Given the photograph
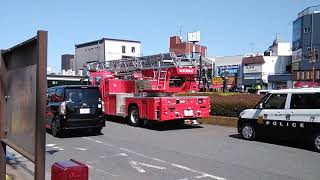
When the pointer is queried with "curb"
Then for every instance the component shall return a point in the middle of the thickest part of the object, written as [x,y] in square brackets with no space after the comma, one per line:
[221,120]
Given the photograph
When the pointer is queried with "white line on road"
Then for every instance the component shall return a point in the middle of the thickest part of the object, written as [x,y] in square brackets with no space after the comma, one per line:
[135,165]
[82,149]
[122,154]
[195,171]
[152,166]
[50,145]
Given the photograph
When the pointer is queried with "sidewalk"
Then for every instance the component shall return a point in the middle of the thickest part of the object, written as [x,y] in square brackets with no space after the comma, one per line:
[18,167]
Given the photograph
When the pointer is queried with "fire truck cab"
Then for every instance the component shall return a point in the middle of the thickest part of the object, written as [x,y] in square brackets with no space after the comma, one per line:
[143,89]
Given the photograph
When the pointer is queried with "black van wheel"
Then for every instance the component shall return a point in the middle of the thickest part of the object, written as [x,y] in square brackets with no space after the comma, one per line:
[96,131]
[248,132]
[134,119]
[316,142]
[55,128]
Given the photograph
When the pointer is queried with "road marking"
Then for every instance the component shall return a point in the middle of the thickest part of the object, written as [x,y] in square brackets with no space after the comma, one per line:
[152,166]
[98,142]
[56,147]
[82,149]
[199,172]
[122,154]
[135,165]
[50,145]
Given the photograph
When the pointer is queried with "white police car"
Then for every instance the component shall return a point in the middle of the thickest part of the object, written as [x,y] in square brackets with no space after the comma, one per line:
[288,111]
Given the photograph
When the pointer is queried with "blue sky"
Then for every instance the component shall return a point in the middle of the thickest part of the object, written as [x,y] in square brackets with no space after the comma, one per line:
[228,27]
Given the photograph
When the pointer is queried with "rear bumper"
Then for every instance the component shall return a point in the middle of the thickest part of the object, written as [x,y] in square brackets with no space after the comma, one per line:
[83,123]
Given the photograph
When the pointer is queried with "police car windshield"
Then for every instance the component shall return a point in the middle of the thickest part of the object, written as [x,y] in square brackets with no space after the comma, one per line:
[262,100]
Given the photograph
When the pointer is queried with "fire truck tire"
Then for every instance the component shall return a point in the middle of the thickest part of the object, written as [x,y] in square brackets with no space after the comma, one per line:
[55,128]
[134,119]
[248,132]
[316,142]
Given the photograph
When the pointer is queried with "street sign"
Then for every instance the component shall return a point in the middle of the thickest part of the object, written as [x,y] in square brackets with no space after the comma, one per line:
[25,99]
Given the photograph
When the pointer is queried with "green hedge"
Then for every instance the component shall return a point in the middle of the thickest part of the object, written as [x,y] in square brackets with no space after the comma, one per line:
[228,104]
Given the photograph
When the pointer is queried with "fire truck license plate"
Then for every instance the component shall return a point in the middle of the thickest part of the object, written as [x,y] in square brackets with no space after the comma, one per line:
[84,111]
[188,112]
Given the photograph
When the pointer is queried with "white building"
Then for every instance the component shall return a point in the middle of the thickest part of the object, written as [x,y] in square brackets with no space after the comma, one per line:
[229,64]
[271,70]
[105,49]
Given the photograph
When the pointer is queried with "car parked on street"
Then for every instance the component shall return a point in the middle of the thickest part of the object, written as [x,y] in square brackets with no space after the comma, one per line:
[74,107]
[293,112]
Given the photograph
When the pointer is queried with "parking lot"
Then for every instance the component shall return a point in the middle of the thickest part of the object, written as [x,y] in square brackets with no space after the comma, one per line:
[182,153]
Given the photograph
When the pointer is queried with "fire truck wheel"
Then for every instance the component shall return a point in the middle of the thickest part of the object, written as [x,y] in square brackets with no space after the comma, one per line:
[316,142]
[134,118]
[248,132]
[55,128]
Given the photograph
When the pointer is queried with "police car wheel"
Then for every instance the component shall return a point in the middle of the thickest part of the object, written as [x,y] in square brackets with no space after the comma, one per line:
[248,132]
[316,142]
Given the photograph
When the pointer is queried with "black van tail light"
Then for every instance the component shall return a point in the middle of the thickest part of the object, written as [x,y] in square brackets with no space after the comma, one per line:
[63,108]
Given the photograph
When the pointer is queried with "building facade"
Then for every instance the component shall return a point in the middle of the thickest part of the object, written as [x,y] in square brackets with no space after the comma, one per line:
[306,45]
[105,49]
[68,64]
[180,47]
[229,67]
[270,70]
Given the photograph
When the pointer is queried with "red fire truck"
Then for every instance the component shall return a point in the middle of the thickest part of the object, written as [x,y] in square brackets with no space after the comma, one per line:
[143,89]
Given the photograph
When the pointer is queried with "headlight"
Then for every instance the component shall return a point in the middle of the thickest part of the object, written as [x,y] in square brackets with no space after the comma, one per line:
[242,113]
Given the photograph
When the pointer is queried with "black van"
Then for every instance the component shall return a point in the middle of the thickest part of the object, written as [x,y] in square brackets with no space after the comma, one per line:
[74,107]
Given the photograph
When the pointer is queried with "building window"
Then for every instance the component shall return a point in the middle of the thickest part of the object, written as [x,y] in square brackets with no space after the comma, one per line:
[307,75]
[298,75]
[317,74]
[307,30]
[123,49]
[312,75]
[309,49]
[302,75]
[133,49]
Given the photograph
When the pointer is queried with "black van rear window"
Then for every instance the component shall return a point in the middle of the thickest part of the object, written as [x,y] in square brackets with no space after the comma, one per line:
[78,95]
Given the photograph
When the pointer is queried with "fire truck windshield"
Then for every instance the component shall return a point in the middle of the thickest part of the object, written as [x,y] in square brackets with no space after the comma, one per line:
[177,81]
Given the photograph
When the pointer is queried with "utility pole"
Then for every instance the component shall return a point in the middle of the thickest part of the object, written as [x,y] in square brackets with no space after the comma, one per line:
[313,60]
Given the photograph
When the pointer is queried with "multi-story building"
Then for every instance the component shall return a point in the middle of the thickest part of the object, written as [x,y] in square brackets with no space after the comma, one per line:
[178,46]
[306,45]
[229,67]
[105,49]
[68,64]
[271,70]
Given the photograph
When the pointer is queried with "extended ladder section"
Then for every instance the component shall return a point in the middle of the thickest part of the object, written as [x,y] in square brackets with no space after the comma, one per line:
[159,61]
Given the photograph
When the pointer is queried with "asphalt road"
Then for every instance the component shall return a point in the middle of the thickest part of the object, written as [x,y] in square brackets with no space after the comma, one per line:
[210,152]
